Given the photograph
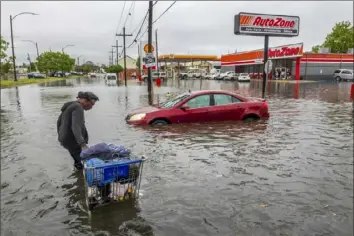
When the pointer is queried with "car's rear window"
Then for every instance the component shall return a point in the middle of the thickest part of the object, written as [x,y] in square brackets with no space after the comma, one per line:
[243,74]
[337,71]
[111,77]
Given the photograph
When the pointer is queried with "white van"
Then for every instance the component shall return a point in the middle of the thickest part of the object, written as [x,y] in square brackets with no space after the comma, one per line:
[110,78]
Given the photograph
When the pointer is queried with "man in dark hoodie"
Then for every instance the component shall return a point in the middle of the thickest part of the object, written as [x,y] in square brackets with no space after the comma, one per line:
[72,132]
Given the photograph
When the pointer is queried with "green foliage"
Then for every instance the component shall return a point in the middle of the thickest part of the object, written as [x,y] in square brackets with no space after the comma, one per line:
[114,69]
[316,48]
[32,66]
[6,66]
[55,61]
[340,39]
[86,68]
[3,47]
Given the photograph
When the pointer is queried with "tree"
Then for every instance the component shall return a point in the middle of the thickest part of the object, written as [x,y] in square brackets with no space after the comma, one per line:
[114,69]
[3,47]
[4,61]
[55,61]
[340,39]
[316,48]
[32,66]
[86,68]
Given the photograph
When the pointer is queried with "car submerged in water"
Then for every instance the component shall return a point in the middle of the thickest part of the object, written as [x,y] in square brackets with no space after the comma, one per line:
[201,106]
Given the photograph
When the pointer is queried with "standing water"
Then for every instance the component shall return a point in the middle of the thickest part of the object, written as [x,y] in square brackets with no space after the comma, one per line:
[289,175]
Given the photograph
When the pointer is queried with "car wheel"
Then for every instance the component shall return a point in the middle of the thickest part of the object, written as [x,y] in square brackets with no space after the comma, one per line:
[159,122]
[338,79]
[251,118]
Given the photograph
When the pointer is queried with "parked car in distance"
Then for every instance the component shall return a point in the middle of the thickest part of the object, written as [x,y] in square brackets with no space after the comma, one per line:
[35,75]
[244,77]
[214,75]
[230,75]
[155,75]
[200,106]
[343,75]
[110,78]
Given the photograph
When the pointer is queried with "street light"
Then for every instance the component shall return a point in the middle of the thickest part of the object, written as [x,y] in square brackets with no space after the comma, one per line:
[78,59]
[35,43]
[12,39]
[70,45]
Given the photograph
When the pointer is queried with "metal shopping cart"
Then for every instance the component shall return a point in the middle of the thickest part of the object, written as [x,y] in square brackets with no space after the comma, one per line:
[115,180]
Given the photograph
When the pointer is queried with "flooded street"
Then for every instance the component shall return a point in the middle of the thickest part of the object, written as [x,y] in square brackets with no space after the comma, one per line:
[290,175]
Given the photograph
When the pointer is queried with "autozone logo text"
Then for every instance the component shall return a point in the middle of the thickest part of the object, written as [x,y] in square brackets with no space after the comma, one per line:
[284,52]
[277,22]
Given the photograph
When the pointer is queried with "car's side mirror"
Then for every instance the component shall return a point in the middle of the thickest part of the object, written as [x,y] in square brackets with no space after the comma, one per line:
[184,107]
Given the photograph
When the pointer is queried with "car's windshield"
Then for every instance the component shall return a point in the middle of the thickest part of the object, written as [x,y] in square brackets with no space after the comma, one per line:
[244,74]
[111,77]
[174,101]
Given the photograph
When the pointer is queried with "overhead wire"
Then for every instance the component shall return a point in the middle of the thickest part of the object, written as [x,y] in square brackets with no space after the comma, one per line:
[129,13]
[154,22]
[141,25]
[120,19]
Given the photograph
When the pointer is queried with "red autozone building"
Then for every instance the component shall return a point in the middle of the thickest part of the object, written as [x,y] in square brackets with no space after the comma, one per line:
[310,66]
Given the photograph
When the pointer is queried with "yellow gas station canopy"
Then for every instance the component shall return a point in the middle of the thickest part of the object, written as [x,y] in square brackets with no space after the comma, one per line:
[187,58]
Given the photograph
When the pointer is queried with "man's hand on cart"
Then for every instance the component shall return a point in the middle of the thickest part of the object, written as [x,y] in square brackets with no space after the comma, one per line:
[84,147]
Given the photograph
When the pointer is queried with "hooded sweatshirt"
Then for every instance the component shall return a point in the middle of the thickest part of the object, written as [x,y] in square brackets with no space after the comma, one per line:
[71,125]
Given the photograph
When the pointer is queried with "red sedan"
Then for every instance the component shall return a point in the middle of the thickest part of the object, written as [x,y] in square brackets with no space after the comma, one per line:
[200,106]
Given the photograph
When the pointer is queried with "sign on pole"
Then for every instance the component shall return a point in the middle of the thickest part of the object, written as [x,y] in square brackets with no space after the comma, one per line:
[149,60]
[264,24]
[146,48]
[268,66]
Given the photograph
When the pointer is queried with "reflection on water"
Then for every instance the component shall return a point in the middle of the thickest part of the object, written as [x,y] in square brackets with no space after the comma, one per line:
[289,175]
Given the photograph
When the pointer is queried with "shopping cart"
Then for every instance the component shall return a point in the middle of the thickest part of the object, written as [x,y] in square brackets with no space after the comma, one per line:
[108,181]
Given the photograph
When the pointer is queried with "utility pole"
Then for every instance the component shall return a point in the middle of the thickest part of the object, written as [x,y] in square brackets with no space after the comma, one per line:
[157,54]
[117,51]
[29,59]
[139,56]
[13,50]
[125,56]
[149,50]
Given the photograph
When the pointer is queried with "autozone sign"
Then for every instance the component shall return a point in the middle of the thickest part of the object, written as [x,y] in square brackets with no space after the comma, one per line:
[262,24]
[294,50]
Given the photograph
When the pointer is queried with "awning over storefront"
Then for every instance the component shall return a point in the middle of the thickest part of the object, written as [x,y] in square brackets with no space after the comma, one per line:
[256,57]
[187,58]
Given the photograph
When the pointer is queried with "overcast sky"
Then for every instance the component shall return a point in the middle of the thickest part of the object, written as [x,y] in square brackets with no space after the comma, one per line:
[188,27]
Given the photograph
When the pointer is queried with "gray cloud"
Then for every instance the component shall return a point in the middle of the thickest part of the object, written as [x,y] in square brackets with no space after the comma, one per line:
[194,27]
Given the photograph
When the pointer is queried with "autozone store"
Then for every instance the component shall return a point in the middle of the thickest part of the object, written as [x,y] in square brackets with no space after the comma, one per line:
[310,66]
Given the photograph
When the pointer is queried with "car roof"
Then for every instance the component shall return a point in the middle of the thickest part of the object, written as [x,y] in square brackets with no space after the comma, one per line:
[201,92]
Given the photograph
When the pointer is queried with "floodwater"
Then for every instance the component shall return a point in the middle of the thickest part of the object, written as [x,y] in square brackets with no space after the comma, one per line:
[290,175]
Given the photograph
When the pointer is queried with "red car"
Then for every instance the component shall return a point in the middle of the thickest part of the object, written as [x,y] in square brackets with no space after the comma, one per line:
[200,106]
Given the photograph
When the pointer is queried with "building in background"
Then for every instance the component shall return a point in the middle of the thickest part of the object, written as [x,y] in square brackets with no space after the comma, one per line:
[131,66]
[310,66]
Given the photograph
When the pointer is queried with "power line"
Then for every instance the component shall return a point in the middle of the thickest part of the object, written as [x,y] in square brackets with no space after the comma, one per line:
[129,13]
[142,24]
[131,18]
[120,19]
[135,40]
[121,15]
[164,12]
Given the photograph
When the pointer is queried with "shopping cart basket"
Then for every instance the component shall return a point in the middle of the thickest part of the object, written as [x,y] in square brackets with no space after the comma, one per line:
[114,180]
